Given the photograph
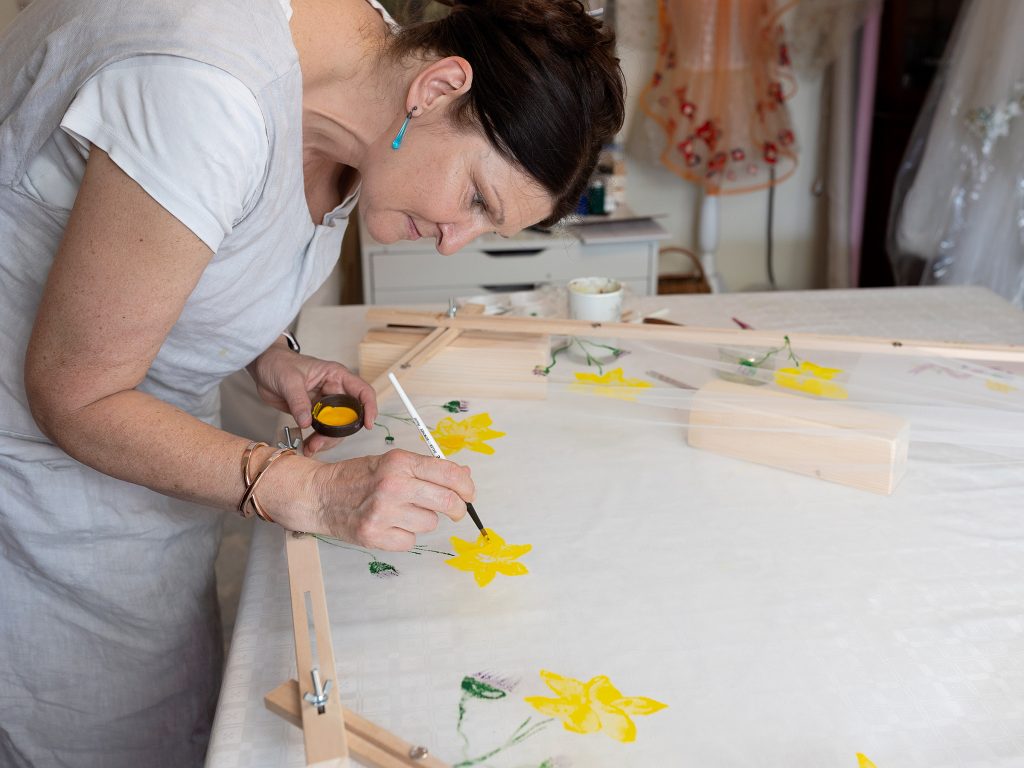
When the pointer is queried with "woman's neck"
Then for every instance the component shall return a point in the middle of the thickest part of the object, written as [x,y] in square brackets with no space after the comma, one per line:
[350,91]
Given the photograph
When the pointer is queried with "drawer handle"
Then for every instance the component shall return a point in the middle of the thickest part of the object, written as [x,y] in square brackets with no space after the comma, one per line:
[515,252]
[510,287]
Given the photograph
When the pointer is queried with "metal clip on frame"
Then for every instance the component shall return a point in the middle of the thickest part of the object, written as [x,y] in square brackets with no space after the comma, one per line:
[319,695]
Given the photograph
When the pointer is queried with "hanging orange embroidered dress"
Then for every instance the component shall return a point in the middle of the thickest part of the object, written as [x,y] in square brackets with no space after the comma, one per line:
[719,93]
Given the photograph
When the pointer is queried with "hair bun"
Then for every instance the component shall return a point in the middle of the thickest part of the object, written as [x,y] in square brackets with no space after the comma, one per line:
[567,22]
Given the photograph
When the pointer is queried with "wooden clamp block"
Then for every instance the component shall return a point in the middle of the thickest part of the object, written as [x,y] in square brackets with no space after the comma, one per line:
[839,443]
[476,364]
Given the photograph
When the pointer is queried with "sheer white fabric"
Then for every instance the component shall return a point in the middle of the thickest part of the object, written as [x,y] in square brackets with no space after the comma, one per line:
[958,215]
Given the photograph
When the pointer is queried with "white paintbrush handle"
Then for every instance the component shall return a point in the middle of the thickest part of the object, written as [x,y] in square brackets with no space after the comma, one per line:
[411,409]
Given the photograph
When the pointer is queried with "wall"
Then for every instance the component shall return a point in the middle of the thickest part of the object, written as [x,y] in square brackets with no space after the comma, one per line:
[799,263]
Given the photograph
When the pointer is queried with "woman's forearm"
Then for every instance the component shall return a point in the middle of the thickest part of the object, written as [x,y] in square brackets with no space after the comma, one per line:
[138,438]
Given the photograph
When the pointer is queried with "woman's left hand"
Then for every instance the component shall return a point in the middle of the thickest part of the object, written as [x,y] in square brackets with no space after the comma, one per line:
[292,382]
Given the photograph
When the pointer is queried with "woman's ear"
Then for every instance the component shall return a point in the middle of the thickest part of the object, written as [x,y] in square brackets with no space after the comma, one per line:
[439,84]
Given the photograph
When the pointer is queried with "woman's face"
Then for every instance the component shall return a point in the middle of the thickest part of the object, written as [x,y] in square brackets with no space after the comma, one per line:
[446,183]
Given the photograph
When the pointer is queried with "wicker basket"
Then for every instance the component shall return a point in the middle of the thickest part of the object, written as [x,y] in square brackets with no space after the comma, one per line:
[688,282]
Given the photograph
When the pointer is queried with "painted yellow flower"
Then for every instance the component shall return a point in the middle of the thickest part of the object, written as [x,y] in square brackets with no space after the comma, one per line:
[595,705]
[812,379]
[612,383]
[471,433]
[488,556]
[863,762]
[999,386]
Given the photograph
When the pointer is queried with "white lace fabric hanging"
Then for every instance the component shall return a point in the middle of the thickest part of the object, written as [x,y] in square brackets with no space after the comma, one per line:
[958,208]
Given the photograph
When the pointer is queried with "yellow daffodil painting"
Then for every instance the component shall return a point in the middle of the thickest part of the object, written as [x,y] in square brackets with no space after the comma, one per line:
[612,383]
[999,386]
[488,556]
[863,762]
[812,379]
[472,432]
[595,705]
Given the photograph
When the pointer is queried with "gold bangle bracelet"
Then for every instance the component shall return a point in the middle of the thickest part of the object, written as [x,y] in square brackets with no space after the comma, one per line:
[246,477]
[251,487]
[261,513]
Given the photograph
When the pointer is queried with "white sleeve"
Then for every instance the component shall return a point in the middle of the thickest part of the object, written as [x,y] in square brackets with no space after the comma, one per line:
[189,133]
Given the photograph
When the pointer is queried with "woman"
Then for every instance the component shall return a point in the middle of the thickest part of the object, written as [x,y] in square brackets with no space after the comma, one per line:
[174,182]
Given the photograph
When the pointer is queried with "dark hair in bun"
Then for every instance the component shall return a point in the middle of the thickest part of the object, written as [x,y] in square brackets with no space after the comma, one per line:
[547,88]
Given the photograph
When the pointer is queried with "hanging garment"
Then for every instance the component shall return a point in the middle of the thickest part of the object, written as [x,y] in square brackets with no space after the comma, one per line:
[958,206]
[719,92]
[110,652]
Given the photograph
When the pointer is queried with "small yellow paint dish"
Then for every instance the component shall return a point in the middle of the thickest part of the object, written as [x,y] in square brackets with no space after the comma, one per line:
[337,415]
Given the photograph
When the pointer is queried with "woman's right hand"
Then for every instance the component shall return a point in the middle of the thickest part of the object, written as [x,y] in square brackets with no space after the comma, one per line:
[384,501]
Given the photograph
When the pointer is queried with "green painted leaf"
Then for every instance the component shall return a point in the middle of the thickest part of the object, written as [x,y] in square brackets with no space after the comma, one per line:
[380,568]
[478,689]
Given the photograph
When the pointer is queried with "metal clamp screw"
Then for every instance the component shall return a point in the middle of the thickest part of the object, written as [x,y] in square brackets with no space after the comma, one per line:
[418,753]
[289,441]
[318,696]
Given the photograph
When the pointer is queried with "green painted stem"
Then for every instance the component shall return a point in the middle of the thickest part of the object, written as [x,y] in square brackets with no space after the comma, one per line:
[518,736]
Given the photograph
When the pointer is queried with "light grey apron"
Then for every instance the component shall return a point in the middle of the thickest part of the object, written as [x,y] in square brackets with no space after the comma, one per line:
[110,650]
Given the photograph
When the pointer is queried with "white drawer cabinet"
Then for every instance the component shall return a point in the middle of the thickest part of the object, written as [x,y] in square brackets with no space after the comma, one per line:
[414,273]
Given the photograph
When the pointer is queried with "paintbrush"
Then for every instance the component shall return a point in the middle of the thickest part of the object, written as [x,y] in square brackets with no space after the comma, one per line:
[431,442]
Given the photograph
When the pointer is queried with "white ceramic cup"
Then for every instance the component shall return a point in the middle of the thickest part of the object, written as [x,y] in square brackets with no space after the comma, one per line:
[595,298]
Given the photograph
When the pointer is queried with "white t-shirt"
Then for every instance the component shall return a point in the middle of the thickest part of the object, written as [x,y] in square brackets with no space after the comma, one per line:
[191,135]
[144,112]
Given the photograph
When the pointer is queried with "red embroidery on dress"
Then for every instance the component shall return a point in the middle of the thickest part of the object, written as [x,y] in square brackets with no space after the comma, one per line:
[716,164]
[709,134]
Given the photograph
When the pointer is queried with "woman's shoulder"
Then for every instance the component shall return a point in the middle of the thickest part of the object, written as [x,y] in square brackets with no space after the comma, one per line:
[191,134]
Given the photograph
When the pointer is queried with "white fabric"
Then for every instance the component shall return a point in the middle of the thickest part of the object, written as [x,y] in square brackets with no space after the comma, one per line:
[138,111]
[142,112]
[963,212]
[785,621]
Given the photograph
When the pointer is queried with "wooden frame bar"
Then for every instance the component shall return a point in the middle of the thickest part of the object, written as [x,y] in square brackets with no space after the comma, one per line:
[323,733]
[697,335]
[426,349]
[332,734]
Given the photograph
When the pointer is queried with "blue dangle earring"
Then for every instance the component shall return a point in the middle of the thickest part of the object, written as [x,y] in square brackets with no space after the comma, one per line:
[401,131]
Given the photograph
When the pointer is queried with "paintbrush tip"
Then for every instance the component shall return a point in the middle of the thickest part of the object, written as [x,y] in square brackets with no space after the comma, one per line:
[476,519]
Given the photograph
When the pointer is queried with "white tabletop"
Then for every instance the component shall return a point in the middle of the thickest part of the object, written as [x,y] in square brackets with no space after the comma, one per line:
[785,621]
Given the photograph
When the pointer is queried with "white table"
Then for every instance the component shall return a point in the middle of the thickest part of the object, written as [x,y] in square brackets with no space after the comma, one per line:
[784,620]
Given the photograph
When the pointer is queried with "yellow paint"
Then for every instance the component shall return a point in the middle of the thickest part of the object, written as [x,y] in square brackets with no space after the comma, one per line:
[863,762]
[472,432]
[595,705]
[812,379]
[612,383]
[336,415]
[999,386]
[488,556]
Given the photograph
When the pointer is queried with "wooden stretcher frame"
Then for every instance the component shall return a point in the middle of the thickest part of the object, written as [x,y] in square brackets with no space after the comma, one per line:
[337,732]
[331,736]
[425,350]
[463,321]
